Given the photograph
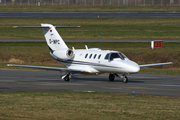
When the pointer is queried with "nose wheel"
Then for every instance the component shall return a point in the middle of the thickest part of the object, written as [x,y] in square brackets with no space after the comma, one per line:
[125,79]
[112,77]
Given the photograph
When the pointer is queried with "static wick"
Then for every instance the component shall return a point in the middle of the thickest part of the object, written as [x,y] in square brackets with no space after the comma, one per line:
[133,94]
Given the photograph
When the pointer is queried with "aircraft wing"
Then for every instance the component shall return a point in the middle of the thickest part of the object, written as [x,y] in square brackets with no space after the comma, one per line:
[156,64]
[46,68]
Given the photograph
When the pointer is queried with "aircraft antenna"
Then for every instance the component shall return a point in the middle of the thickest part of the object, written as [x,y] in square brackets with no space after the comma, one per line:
[86,47]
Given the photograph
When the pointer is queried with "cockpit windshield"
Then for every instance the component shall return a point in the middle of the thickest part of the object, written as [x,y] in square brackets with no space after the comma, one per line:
[117,55]
[122,55]
[111,56]
[114,56]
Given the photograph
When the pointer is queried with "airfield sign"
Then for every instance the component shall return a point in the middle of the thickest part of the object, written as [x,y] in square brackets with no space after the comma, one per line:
[157,43]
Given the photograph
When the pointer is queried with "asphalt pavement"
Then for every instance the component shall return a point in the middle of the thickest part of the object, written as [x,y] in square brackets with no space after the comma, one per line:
[89,14]
[149,84]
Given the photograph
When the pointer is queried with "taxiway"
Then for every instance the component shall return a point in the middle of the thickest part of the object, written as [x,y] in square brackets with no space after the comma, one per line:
[24,80]
[89,14]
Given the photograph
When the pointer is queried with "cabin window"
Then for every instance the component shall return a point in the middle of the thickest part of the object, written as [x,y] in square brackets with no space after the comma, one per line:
[99,56]
[86,55]
[90,56]
[107,56]
[95,56]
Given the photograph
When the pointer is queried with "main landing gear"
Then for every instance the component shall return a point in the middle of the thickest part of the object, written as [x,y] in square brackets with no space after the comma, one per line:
[112,77]
[67,76]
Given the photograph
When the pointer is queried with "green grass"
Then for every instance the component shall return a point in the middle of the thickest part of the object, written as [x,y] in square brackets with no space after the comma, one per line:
[89,106]
[86,8]
[34,53]
[92,28]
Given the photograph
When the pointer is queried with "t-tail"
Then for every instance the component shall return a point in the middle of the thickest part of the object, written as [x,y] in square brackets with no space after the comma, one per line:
[53,39]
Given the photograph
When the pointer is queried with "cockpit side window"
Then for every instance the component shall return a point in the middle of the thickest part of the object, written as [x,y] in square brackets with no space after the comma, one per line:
[106,57]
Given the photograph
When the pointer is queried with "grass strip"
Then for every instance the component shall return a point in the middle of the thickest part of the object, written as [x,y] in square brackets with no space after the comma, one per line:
[35,53]
[56,8]
[83,105]
[92,28]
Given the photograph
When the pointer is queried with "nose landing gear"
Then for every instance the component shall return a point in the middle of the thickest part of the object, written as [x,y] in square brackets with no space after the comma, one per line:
[112,77]
[124,77]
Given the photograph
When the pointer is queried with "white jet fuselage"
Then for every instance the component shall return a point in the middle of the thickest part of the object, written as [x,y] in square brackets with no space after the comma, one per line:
[96,61]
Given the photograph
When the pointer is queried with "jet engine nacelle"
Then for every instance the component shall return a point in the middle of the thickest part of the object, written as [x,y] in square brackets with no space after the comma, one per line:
[64,54]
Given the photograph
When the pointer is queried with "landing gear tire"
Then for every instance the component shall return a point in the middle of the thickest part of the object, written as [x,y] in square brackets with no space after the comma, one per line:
[111,77]
[125,79]
[66,78]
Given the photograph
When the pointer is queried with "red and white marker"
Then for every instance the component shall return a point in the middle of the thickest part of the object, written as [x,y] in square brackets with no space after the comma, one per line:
[157,43]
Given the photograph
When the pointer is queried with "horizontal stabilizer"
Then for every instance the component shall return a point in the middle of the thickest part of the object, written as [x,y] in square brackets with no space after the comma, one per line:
[46,26]
[157,64]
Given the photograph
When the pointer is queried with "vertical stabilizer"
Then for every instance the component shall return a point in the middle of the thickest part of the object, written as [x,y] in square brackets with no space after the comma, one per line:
[53,39]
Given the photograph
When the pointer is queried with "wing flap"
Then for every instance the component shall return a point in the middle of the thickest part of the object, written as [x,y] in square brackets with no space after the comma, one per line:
[46,68]
[156,64]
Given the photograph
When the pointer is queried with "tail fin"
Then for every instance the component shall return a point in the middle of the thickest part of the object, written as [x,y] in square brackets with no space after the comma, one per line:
[53,38]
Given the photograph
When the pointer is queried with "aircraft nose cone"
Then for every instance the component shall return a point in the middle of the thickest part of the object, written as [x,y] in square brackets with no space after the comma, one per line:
[134,68]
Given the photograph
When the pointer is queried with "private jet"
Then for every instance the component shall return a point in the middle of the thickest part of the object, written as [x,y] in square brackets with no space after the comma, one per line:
[93,61]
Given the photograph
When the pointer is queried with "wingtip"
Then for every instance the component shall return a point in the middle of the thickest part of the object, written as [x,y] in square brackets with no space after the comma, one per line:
[15,26]
[9,65]
[170,62]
